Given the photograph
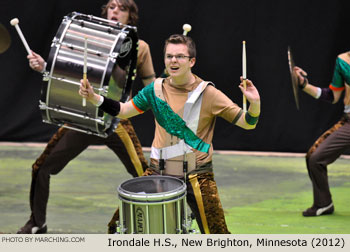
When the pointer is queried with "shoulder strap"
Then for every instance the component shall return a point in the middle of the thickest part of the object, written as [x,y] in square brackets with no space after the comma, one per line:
[195,94]
[158,84]
[193,106]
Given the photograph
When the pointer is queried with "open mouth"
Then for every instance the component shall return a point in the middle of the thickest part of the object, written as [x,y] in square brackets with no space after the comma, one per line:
[114,19]
[174,68]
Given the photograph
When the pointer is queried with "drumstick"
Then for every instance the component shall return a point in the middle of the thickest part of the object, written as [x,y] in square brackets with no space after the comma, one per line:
[85,68]
[14,22]
[244,75]
[187,28]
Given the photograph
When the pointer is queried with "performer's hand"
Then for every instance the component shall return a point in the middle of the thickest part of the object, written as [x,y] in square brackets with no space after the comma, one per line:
[250,92]
[36,62]
[301,75]
[87,92]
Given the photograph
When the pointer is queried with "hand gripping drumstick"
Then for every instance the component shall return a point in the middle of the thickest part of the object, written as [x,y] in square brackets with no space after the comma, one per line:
[85,69]
[244,75]
[14,22]
[187,28]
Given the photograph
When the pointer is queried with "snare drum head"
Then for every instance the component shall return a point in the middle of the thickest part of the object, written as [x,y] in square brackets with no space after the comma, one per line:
[152,184]
[152,188]
[152,205]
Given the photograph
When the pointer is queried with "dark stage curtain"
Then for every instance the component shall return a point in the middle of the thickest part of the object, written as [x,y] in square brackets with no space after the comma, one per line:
[315,30]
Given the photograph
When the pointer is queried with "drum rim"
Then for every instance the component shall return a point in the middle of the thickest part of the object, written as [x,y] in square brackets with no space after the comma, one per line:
[168,199]
[163,197]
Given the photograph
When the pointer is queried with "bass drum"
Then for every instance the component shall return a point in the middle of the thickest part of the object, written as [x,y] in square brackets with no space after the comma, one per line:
[111,49]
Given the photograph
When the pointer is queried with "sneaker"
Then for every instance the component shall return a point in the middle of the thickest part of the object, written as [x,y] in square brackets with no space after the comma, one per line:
[112,228]
[31,228]
[317,211]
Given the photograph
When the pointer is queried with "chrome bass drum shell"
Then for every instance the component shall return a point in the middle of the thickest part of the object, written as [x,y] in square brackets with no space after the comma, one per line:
[111,49]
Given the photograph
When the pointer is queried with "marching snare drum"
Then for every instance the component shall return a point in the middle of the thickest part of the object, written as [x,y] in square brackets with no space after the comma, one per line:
[152,205]
[111,47]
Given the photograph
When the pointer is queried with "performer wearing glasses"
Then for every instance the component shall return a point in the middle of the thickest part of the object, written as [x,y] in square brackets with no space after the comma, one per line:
[335,141]
[66,144]
[185,108]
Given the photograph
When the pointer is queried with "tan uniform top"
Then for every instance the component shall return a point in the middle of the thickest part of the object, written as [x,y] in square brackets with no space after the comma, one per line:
[214,103]
[144,64]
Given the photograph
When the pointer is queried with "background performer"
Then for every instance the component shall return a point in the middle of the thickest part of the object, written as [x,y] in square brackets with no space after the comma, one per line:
[66,144]
[335,141]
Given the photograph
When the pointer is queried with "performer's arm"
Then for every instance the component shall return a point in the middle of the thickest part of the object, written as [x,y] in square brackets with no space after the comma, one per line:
[324,94]
[249,119]
[112,107]
[144,64]
[148,79]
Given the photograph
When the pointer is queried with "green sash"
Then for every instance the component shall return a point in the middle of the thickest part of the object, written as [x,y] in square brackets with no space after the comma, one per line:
[167,118]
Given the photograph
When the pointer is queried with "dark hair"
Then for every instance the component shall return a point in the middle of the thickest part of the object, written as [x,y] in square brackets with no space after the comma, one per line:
[182,39]
[130,5]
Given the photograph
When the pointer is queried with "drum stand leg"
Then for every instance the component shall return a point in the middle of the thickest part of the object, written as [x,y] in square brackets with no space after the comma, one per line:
[191,230]
[186,224]
[185,169]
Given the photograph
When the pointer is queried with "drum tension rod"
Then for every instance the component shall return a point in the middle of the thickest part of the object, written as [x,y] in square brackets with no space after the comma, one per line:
[185,166]
[161,162]
[185,170]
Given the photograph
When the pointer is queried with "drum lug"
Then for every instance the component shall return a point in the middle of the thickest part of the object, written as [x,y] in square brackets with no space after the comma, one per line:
[193,231]
[188,230]
[186,226]
[46,76]
[48,122]
[55,42]
[120,230]
[42,105]
[114,56]
[104,90]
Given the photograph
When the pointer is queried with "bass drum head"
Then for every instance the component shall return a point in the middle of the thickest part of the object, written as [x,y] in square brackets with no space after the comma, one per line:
[127,58]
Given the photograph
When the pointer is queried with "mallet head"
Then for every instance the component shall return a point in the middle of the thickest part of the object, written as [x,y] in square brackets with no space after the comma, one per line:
[14,21]
[186,28]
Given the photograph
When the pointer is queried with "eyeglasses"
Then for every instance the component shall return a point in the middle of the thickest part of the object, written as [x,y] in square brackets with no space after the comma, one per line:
[177,57]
